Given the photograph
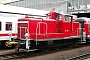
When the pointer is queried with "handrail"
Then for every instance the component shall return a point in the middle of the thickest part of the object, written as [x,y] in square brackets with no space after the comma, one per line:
[39,29]
[78,30]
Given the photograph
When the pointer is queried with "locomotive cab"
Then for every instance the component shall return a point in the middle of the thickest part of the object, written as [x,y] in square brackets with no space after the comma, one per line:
[53,15]
[58,16]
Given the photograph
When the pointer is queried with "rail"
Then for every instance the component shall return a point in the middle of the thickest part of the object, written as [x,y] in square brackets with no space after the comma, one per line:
[81,57]
[13,55]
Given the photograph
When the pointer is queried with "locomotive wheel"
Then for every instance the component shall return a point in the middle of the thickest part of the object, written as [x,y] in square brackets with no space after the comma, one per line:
[44,49]
[57,48]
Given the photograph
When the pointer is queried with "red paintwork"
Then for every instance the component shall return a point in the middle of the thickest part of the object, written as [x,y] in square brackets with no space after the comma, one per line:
[5,34]
[49,28]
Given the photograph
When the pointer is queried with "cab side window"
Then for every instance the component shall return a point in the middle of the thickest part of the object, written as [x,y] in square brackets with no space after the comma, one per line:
[59,17]
[8,26]
[67,18]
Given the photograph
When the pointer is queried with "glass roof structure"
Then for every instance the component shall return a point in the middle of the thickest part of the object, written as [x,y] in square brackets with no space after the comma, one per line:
[36,4]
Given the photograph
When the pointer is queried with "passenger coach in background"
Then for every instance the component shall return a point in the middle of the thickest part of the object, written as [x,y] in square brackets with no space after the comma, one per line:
[53,31]
[8,29]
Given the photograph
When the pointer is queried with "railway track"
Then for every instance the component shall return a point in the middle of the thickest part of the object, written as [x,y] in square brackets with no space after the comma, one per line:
[20,55]
[81,57]
[23,54]
[13,55]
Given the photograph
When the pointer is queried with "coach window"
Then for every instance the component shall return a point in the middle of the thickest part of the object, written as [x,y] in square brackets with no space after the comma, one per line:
[8,26]
[0,25]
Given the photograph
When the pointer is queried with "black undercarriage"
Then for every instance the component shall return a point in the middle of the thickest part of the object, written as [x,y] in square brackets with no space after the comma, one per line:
[49,43]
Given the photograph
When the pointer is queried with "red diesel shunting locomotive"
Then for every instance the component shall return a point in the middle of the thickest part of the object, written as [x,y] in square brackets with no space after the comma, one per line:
[54,30]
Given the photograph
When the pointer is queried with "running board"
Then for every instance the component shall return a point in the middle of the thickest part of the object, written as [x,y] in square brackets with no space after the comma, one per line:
[82,42]
[30,50]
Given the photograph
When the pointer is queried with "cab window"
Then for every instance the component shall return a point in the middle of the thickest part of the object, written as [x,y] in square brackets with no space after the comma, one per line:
[67,18]
[59,17]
